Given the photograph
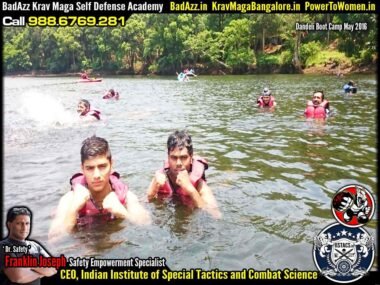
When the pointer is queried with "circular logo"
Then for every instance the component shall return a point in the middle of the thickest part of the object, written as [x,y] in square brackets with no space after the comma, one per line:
[343,254]
[353,206]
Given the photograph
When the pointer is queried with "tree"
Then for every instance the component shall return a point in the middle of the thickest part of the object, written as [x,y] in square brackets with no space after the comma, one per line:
[235,42]
[68,44]
[15,55]
[294,38]
[132,41]
[365,38]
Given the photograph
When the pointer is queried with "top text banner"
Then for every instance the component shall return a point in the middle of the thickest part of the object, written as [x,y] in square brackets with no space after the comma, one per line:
[123,8]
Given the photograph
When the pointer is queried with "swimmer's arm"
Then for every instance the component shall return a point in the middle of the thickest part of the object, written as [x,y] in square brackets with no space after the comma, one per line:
[132,211]
[152,190]
[66,216]
[158,181]
[183,180]
[112,204]
[21,275]
[195,196]
[273,106]
[211,206]
[138,214]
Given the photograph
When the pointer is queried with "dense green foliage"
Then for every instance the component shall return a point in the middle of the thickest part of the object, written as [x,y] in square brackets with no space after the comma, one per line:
[164,44]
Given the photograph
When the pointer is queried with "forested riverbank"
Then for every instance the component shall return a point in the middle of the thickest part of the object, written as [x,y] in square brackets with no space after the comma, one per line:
[209,43]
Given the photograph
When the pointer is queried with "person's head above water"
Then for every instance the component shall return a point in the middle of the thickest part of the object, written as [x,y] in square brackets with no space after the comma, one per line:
[318,97]
[96,165]
[180,151]
[266,92]
[266,95]
[180,139]
[94,146]
[83,107]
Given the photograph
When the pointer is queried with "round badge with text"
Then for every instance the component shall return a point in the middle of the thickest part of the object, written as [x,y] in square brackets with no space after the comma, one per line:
[343,254]
[353,205]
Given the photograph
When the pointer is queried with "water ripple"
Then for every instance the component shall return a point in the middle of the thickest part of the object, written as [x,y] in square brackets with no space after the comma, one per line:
[273,173]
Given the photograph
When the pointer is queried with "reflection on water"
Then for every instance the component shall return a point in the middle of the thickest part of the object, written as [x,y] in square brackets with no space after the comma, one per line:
[273,173]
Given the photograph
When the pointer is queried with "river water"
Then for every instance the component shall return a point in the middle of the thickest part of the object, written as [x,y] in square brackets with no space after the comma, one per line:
[272,173]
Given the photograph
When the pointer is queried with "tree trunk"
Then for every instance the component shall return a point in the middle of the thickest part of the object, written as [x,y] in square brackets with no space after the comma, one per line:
[296,57]
[328,30]
[214,59]
[218,61]
[263,39]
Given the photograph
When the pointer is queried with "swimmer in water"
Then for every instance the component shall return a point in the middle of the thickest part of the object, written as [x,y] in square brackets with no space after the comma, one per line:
[97,192]
[266,100]
[111,94]
[85,112]
[184,176]
[318,107]
[350,88]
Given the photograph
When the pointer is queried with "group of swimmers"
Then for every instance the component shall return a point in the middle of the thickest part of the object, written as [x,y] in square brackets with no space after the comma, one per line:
[87,113]
[98,194]
[317,108]
[184,76]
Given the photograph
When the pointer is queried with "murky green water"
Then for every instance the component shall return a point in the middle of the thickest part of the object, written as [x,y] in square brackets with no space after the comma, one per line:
[273,174]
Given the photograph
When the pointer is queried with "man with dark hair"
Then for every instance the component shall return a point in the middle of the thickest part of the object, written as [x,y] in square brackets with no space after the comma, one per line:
[85,112]
[15,245]
[97,193]
[350,87]
[184,175]
[318,107]
[111,94]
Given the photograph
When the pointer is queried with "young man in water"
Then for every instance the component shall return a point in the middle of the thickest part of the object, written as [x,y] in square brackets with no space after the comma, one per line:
[184,176]
[97,193]
[85,112]
[16,245]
